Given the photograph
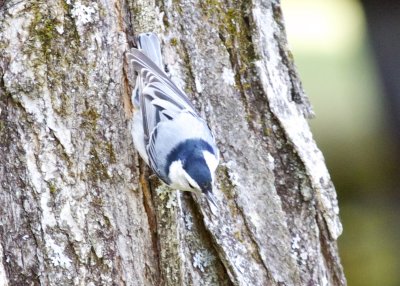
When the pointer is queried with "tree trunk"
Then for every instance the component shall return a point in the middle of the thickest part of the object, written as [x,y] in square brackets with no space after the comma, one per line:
[78,207]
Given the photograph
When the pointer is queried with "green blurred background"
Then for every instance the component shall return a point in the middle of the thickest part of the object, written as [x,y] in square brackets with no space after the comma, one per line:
[330,43]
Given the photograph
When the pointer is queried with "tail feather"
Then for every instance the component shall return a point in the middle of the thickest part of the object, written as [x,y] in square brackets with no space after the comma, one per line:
[149,44]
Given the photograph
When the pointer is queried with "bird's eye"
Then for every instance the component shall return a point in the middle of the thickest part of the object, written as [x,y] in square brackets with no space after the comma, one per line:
[190,186]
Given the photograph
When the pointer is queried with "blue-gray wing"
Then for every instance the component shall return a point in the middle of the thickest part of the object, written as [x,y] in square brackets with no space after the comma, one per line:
[160,98]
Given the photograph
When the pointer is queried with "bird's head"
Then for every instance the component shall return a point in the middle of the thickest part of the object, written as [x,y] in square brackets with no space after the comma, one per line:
[193,169]
[199,173]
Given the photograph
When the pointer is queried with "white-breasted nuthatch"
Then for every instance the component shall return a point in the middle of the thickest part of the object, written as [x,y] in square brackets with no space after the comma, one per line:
[167,131]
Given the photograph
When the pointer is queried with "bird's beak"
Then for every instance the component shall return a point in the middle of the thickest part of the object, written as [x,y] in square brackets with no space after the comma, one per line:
[212,202]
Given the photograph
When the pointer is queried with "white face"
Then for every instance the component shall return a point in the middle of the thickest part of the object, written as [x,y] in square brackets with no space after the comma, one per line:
[180,178]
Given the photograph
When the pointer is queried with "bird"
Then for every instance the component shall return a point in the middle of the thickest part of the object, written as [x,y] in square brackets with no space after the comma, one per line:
[167,131]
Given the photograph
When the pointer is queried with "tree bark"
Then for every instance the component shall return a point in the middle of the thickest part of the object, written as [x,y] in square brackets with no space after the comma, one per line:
[78,207]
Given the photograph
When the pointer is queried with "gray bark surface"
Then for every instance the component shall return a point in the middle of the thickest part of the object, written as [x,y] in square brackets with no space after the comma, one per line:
[78,207]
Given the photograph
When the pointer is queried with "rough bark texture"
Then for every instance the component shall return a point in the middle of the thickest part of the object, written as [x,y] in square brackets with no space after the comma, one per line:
[78,206]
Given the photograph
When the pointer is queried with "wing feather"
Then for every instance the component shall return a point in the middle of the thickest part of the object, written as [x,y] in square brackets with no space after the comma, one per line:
[142,63]
[158,94]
